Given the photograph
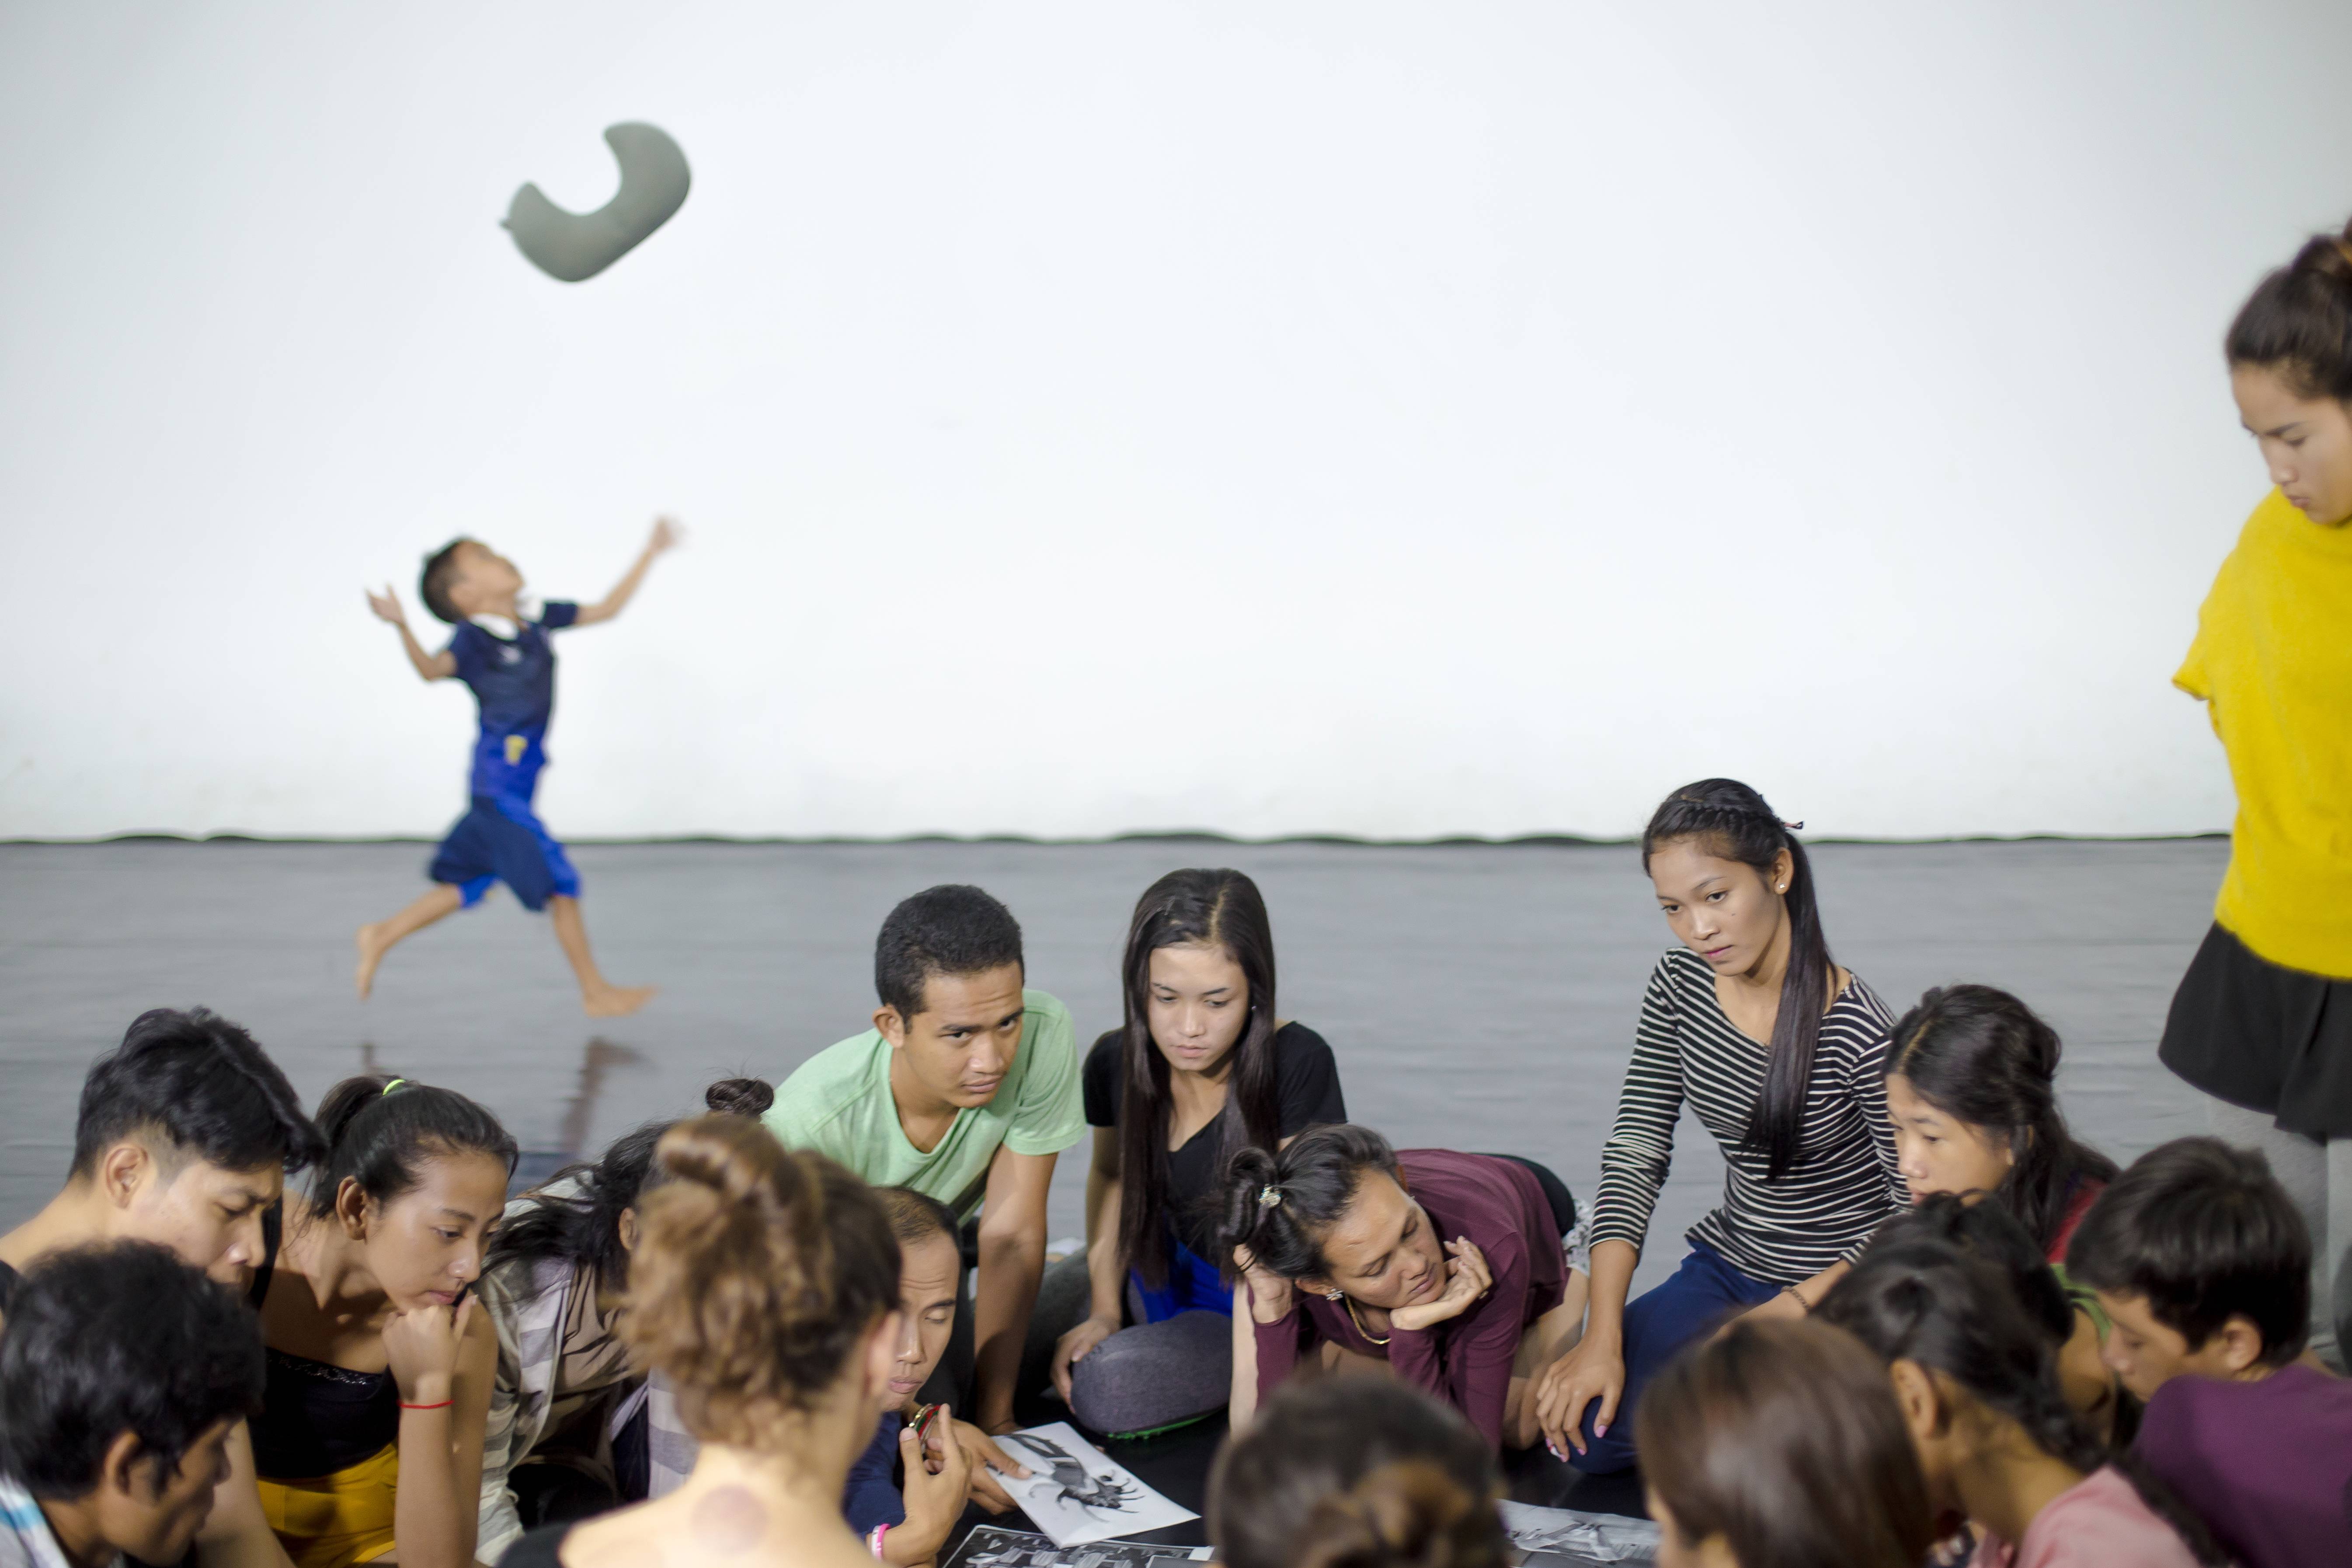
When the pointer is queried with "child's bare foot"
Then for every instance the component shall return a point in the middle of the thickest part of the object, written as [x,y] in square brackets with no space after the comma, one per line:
[615,1000]
[373,946]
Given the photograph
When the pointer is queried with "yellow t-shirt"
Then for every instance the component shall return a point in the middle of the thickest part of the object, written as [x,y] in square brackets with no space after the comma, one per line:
[2272,662]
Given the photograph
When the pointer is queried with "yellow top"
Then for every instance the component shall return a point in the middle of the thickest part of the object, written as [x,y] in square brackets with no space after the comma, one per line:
[2273,663]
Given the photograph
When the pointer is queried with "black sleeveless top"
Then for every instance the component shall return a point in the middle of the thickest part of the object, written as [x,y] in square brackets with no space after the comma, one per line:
[316,1418]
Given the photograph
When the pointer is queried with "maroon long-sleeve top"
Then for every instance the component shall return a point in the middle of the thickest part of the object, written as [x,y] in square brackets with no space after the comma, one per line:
[1467,1360]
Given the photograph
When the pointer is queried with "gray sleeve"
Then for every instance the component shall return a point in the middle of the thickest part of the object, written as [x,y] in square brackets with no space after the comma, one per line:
[499,1526]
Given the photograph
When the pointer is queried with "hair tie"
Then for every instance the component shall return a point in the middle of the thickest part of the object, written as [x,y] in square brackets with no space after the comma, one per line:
[395,1083]
[1269,1197]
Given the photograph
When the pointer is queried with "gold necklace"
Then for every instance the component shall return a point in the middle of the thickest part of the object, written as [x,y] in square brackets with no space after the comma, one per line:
[1349,1303]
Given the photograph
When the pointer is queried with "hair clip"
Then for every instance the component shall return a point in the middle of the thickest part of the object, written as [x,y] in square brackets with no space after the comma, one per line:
[395,1083]
[1795,826]
[1269,1197]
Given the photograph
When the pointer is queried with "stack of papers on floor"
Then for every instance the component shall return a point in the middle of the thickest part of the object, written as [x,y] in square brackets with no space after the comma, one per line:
[1557,1537]
[989,1547]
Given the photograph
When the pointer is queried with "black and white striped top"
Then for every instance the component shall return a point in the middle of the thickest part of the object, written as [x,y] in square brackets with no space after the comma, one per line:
[1844,1182]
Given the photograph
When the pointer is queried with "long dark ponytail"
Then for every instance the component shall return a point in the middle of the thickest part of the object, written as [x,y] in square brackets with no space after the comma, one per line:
[1214,909]
[583,1227]
[1984,1058]
[1733,822]
[1928,1303]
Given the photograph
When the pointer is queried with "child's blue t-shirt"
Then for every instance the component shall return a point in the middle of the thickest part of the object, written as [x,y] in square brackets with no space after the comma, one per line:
[514,683]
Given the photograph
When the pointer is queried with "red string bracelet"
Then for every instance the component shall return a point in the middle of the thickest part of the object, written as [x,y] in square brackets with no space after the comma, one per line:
[437,1405]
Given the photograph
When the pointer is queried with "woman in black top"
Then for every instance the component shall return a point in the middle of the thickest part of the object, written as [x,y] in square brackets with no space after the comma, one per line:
[380,1364]
[1202,1067]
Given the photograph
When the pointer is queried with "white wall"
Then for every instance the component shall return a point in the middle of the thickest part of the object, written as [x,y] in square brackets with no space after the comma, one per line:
[1392,420]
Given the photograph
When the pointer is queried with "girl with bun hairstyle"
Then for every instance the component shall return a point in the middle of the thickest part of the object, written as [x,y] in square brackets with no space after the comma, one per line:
[2262,1023]
[1445,1269]
[380,1362]
[571,1430]
[1778,1051]
[1357,1472]
[765,1287]
[1998,1444]
[1778,1445]
[1203,1065]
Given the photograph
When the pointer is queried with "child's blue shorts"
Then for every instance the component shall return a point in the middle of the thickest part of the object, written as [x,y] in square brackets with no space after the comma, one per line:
[503,841]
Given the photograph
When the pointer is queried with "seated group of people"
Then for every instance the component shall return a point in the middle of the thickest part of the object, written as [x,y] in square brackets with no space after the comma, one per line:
[795,1328]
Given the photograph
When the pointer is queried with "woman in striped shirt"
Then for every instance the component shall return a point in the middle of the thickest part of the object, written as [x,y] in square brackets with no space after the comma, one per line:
[1780,1052]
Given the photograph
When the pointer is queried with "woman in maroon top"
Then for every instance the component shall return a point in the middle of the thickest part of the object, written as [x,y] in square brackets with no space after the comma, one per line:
[1448,1268]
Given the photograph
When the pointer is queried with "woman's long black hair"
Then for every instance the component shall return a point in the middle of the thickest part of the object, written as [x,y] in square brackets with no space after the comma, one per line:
[583,1226]
[1983,1056]
[1732,822]
[1216,908]
[1928,1302]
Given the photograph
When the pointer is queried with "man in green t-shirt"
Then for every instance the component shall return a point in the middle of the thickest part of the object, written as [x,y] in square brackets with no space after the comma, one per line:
[966,1089]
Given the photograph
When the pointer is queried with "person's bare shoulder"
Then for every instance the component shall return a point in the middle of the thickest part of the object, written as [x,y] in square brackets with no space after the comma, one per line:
[712,1527]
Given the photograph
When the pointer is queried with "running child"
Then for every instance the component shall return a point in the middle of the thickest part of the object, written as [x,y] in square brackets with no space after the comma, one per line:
[501,651]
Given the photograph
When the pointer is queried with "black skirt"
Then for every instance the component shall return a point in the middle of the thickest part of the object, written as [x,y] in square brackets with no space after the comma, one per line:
[2263,1036]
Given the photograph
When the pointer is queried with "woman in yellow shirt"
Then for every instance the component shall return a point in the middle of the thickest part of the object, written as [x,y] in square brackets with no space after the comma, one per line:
[2263,1021]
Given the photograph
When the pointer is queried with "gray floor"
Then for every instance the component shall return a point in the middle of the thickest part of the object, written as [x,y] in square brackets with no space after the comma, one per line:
[1481,997]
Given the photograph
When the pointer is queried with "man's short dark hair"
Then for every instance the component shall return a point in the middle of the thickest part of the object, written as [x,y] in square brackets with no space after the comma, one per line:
[113,1338]
[2205,1233]
[433,582]
[951,929]
[203,1086]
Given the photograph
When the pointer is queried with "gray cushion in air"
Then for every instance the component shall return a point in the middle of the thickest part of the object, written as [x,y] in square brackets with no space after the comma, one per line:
[576,246]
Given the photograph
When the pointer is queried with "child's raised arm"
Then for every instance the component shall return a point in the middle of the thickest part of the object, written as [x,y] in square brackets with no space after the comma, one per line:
[665,534]
[429,666]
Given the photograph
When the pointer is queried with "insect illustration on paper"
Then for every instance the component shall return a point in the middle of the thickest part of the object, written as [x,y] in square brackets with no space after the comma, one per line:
[1073,1483]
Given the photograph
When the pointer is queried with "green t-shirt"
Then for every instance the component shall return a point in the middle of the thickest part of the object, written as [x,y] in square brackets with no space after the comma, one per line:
[838,1103]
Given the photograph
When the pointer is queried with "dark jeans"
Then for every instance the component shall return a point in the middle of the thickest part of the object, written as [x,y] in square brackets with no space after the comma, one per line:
[1694,1301]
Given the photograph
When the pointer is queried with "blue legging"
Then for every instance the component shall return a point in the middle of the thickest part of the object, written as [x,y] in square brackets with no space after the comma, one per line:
[1694,1301]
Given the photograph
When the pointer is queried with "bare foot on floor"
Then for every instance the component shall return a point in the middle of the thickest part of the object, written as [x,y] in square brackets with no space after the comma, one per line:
[373,947]
[615,1000]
